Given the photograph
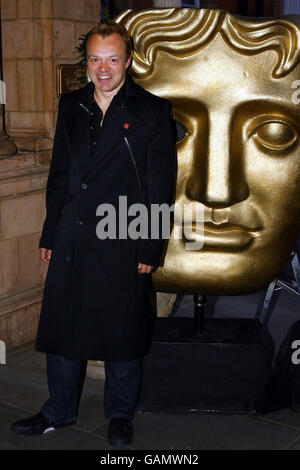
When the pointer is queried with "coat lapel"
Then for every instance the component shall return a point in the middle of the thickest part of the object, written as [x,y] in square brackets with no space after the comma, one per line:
[77,124]
[121,124]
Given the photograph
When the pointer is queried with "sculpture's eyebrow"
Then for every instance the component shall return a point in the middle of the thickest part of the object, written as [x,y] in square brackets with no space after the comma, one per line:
[199,109]
[269,105]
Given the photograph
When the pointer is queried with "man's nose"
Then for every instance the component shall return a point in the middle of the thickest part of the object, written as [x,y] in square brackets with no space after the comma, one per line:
[103,66]
[218,178]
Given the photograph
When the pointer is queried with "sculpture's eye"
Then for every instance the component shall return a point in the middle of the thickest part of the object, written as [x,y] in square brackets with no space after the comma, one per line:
[275,135]
[180,131]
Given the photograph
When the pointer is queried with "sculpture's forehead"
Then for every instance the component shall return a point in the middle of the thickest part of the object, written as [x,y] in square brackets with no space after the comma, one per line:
[219,69]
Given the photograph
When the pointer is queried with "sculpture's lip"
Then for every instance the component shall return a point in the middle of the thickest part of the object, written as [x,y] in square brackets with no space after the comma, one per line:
[226,235]
[227,226]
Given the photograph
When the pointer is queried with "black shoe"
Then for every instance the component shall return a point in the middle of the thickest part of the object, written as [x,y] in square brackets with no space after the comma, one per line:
[120,432]
[36,424]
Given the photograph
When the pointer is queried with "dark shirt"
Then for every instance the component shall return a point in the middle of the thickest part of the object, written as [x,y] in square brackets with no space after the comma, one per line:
[96,116]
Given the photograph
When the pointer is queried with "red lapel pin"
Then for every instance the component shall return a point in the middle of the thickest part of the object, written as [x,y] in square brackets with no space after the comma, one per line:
[126,125]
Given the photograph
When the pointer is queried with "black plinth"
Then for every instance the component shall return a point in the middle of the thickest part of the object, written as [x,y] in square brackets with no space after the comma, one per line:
[223,370]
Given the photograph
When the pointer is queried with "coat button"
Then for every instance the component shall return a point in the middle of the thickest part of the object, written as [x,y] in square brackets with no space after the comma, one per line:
[68,258]
[79,222]
[84,186]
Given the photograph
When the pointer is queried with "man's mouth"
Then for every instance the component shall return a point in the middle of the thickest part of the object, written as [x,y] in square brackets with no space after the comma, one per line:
[103,77]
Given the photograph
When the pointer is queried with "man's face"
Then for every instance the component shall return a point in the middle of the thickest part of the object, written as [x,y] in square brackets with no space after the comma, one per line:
[107,62]
[239,161]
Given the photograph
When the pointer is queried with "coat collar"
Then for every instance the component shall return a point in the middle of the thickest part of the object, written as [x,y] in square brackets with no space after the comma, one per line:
[122,123]
[86,93]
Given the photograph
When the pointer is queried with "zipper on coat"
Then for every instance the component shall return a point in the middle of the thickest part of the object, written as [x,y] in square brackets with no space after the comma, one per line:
[136,170]
[82,105]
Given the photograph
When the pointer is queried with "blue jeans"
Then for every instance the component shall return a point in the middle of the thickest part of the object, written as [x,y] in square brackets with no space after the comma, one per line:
[65,383]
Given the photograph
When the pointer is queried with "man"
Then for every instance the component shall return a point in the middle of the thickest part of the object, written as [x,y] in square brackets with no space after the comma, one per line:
[112,139]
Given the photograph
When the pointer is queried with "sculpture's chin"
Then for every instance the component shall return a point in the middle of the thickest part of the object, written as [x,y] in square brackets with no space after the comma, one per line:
[220,273]
[163,282]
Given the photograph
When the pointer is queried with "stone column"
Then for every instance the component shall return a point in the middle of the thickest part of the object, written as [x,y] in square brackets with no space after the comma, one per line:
[7,147]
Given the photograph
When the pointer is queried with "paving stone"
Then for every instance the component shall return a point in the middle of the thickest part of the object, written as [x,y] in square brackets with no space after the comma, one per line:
[67,438]
[27,359]
[286,417]
[3,447]
[295,445]
[207,432]
[23,395]
[23,387]
[23,383]
[91,413]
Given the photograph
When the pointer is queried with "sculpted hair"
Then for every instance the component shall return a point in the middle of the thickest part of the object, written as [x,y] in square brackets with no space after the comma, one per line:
[184,31]
[106,29]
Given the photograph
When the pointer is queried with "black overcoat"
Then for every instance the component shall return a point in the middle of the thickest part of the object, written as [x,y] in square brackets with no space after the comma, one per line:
[96,304]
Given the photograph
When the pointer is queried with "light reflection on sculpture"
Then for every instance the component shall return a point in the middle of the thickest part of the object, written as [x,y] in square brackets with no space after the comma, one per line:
[229,80]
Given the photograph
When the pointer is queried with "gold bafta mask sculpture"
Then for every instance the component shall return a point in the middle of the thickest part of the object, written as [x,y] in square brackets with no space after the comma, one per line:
[230,81]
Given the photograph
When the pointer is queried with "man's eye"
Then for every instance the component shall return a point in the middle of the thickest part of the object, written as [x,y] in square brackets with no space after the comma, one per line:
[275,135]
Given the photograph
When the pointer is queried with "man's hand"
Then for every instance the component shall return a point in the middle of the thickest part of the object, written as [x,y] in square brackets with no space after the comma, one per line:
[144,268]
[45,255]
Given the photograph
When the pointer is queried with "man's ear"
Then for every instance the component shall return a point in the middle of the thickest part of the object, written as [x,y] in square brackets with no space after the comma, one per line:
[128,62]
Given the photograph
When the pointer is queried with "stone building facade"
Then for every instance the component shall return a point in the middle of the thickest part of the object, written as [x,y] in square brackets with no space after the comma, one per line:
[36,36]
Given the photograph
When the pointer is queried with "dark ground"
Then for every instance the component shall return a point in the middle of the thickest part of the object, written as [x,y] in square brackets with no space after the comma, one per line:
[23,389]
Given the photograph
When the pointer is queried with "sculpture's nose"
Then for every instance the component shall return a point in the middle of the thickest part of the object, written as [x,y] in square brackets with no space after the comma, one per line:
[218,178]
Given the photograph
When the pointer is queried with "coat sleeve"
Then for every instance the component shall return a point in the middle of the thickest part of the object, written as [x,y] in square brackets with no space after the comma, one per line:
[160,181]
[57,181]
